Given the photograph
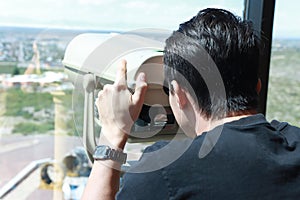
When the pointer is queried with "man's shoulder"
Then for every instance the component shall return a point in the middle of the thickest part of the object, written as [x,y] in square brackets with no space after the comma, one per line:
[290,132]
[284,127]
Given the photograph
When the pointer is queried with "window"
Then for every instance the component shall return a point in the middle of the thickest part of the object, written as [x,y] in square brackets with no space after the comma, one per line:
[284,93]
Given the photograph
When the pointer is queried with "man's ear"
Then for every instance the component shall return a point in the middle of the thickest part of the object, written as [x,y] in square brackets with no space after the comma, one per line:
[181,98]
[258,86]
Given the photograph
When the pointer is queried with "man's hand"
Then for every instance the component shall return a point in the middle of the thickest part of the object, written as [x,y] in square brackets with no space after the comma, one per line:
[118,108]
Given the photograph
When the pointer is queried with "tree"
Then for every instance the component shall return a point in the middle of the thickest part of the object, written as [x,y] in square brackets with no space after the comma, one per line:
[15,71]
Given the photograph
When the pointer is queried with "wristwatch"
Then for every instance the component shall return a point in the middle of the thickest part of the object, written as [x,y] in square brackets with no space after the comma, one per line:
[104,152]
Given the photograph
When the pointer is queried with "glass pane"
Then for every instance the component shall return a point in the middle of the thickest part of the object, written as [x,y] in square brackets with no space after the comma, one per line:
[41,151]
[284,92]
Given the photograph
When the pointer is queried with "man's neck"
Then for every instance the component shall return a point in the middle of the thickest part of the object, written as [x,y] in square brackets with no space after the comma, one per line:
[209,124]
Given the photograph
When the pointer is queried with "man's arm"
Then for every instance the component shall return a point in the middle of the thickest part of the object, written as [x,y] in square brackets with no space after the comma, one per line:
[104,179]
[118,109]
[103,182]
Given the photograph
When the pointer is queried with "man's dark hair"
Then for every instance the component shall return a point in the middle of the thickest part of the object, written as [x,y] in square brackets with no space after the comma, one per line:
[233,46]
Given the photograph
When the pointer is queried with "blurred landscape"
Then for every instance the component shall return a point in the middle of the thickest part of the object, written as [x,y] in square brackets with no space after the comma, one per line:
[283,101]
[31,71]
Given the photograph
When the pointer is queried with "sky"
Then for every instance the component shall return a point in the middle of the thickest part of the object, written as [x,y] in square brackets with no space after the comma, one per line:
[131,14]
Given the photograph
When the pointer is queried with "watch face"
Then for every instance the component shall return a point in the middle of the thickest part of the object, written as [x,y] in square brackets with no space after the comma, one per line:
[105,152]
[101,152]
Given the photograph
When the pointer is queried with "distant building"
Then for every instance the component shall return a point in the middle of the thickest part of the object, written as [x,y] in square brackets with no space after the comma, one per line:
[28,80]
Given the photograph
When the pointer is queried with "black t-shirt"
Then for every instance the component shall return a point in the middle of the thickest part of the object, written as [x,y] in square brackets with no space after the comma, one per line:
[245,159]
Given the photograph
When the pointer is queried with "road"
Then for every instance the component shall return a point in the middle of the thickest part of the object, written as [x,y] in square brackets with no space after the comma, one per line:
[19,151]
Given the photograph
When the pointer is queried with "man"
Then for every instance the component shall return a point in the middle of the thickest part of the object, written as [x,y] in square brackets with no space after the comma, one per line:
[246,157]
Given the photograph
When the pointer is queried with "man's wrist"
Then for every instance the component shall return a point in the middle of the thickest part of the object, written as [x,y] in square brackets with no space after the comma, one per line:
[116,139]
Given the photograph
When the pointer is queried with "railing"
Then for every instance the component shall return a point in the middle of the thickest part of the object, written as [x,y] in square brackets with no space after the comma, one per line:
[21,176]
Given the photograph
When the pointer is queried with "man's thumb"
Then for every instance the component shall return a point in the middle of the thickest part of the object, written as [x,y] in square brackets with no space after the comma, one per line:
[140,89]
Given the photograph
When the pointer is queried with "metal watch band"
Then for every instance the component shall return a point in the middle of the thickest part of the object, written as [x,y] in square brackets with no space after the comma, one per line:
[104,152]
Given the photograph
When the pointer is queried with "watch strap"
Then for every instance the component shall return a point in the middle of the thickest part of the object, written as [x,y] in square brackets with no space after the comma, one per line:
[104,152]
